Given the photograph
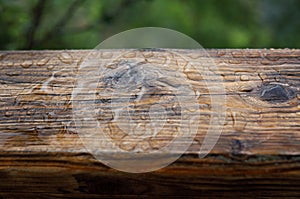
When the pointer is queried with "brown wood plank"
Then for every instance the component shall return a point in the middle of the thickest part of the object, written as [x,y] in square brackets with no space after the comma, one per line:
[258,152]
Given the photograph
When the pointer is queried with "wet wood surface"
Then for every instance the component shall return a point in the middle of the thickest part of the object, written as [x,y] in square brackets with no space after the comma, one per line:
[257,154]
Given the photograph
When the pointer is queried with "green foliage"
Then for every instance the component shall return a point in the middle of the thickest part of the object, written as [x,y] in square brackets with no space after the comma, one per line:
[79,24]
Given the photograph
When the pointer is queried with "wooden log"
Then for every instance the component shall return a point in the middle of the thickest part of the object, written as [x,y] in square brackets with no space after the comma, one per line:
[258,153]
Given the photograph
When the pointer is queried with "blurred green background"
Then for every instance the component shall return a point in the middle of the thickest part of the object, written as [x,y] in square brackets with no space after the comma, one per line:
[81,24]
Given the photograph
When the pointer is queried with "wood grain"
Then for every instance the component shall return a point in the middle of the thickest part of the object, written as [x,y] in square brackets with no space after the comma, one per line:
[258,153]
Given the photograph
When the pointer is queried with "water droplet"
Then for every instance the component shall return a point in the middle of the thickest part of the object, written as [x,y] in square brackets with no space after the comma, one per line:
[9,63]
[176,108]
[191,72]
[128,144]
[197,94]
[27,63]
[30,112]
[266,62]
[272,57]
[221,53]
[244,78]
[42,62]
[234,61]
[50,67]
[239,121]
[262,76]
[106,55]
[237,54]
[251,61]
[180,62]
[66,58]
[13,73]
[130,55]
[245,88]
[3,86]
[8,113]
[148,54]
[195,56]
[112,131]
[145,146]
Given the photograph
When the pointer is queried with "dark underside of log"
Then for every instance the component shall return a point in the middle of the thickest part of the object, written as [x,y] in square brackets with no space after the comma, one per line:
[257,154]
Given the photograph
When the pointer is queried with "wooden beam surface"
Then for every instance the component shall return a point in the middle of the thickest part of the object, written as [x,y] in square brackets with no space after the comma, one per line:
[257,154]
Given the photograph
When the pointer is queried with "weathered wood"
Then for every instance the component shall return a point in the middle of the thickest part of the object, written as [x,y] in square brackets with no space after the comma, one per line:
[258,152]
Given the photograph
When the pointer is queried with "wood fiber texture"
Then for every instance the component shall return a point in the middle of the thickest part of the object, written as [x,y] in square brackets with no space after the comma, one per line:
[257,154]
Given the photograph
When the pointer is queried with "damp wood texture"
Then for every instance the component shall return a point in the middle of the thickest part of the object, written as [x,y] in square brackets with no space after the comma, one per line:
[257,154]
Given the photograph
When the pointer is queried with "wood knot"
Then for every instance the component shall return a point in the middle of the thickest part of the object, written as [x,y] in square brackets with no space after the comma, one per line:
[236,147]
[276,93]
